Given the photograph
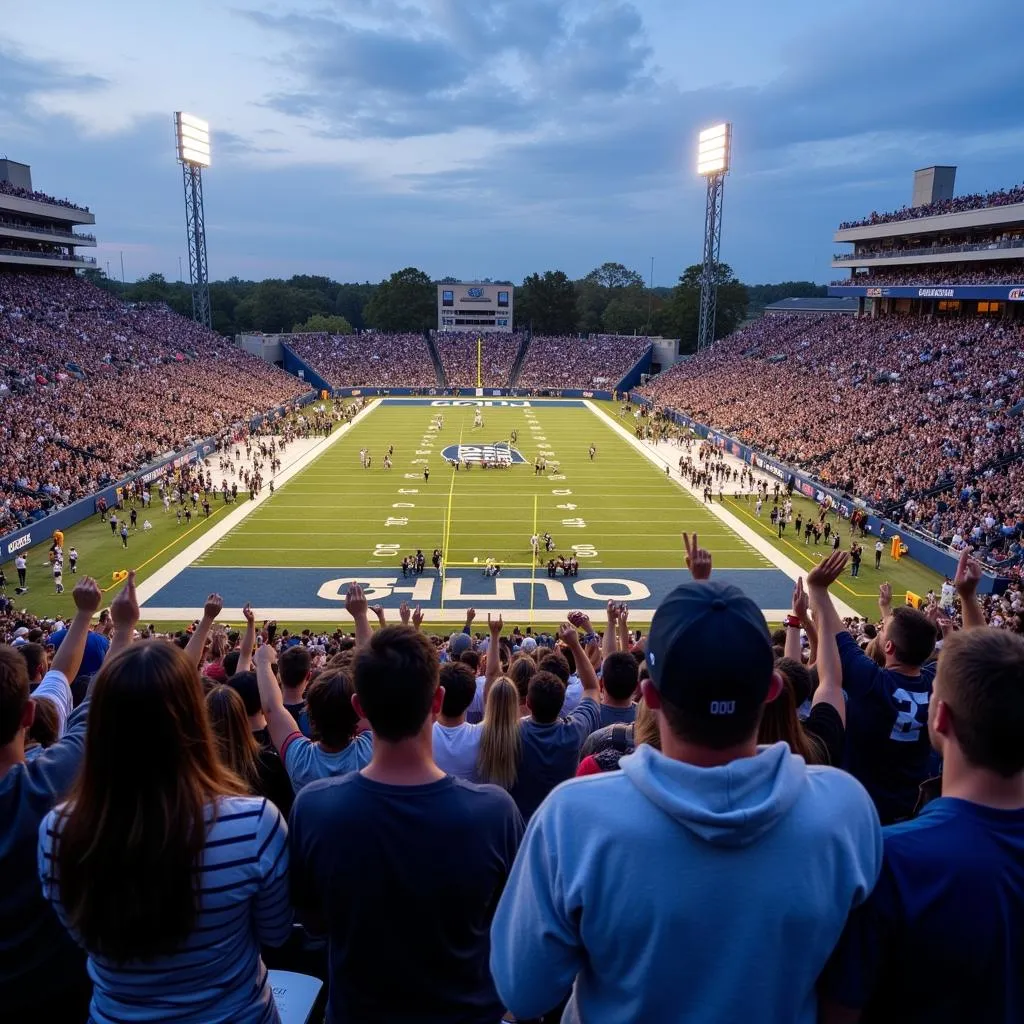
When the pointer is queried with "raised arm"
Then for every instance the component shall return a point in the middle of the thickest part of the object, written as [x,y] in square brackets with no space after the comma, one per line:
[698,559]
[794,619]
[248,643]
[819,579]
[194,649]
[968,576]
[608,641]
[588,677]
[623,626]
[382,620]
[68,659]
[355,605]
[885,601]
[124,613]
[493,667]
[280,723]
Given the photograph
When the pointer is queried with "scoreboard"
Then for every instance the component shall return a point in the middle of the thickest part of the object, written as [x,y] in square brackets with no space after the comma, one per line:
[474,307]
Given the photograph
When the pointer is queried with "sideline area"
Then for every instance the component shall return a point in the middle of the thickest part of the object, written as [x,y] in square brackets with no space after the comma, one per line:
[666,454]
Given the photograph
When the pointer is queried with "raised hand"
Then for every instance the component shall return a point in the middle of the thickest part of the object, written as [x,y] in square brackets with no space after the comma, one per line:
[623,612]
[88,596]
[355,600]
[495,625]
[581,621]
[213,607]
[403,612]
[827,571]
[266,655]
[124,609]
[885,595]
[378,610]
[417,617]
[968,574]
[946,625]
[800,599]
[698,559]
[612,611]
[470,615]
[568,635]
[249,615]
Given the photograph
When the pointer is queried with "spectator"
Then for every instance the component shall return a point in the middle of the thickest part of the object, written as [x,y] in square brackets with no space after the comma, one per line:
[550,743]
[952,882]
[295,668]
[168,875]
[619,675]
[456,743]
[332,717]
[42,974]
[419,888]
[603,750]
[501,743]
[886,739]
[259,769]
[711,805]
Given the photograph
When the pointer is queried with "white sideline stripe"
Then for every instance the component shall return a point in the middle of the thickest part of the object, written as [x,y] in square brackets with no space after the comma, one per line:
[219,530]
[338,616]
[759,544]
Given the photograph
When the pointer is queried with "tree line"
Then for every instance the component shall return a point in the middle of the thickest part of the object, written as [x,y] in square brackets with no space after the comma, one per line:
[611,299]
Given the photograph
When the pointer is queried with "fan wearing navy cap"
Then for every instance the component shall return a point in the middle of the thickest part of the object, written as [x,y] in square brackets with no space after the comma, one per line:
[706,882]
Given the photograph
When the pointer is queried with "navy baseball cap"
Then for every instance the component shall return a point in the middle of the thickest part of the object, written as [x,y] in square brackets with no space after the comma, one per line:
[709,652]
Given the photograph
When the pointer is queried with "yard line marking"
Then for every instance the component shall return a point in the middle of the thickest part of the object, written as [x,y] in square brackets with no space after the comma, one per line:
[448,527]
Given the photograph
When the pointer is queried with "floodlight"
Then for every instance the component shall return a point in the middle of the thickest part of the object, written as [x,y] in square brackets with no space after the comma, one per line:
[192,135]
[714,149]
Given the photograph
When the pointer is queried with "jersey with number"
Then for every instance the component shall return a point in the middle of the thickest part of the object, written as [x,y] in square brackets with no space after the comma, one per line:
[887,747]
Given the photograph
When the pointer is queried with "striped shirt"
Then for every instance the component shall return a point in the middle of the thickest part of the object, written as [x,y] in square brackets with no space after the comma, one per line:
[217,975]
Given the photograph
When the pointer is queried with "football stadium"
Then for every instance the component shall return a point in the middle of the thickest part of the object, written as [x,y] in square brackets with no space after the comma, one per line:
[312,639]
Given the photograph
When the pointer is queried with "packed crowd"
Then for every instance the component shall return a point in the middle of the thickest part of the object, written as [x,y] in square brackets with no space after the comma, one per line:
[599,361]
[458,353]
[369,359]
[92,389]
[958,204]
[938,244]
[1004,272]
[9,189]
[473,807]
[885,409]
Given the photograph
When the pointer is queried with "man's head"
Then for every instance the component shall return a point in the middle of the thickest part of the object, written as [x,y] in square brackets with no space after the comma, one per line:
[248,689]
[16,709]
[459,682]
[619,675]
[294,667]
[329,701]
[471,659]
[908,637]
[545,696]
[709,654]
[35,661]
[556,664]
[977,702]
[396,682]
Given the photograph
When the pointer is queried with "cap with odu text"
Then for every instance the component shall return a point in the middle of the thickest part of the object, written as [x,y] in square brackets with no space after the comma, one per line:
[709,652]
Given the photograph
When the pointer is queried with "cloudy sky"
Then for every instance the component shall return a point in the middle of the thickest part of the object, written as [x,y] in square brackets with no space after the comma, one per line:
[493,138]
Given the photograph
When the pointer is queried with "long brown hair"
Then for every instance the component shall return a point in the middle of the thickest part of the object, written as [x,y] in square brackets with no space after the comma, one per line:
[779,723]
[500,740]
[134,826]
[236,746]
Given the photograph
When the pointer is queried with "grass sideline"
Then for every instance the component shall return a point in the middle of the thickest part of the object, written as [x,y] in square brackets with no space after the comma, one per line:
[621,512]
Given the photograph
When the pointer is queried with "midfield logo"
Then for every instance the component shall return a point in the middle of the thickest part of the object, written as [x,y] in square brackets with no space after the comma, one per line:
[499,451]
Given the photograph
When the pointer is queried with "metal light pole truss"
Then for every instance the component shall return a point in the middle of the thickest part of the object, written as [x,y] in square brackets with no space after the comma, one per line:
[196,230]
[709,271]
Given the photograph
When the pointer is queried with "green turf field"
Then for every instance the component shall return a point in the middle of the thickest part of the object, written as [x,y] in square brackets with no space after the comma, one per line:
[616,512]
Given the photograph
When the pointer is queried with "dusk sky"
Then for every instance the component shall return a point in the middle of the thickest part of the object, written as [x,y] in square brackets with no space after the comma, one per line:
[494,138]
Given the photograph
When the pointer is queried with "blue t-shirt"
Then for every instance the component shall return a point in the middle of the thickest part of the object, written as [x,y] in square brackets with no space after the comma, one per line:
[887,747]
[941,938]
[405,880]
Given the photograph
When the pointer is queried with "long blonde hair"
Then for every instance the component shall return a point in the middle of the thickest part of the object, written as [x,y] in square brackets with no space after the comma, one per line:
[645,729]
[237,748]
[500,741]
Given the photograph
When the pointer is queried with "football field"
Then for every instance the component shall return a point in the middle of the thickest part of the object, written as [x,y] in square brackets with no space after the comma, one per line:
[334,522]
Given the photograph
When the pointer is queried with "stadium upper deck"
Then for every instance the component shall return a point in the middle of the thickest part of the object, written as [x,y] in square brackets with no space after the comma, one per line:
[941,255]
[37,230]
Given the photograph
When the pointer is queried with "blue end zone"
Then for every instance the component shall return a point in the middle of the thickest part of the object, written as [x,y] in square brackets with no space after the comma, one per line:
[488,403]
[325,588]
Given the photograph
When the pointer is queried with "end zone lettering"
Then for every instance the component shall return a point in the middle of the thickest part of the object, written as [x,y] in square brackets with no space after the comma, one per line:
[456,403]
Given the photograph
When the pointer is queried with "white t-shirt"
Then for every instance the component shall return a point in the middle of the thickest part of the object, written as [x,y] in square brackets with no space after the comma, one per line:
[456,748]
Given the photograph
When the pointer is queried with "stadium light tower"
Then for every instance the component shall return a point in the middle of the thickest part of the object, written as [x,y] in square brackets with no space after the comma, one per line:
[192,136]
[714,153]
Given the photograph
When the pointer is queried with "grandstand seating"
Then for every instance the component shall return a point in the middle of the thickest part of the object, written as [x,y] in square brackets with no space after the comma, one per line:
[600,361]
[369,359]
[1004,272]
[458,352]
[91,389]
[958,204]
[18,192]
[887,409]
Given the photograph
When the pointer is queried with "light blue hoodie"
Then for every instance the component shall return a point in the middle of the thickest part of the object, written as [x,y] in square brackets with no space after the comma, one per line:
[672,893]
